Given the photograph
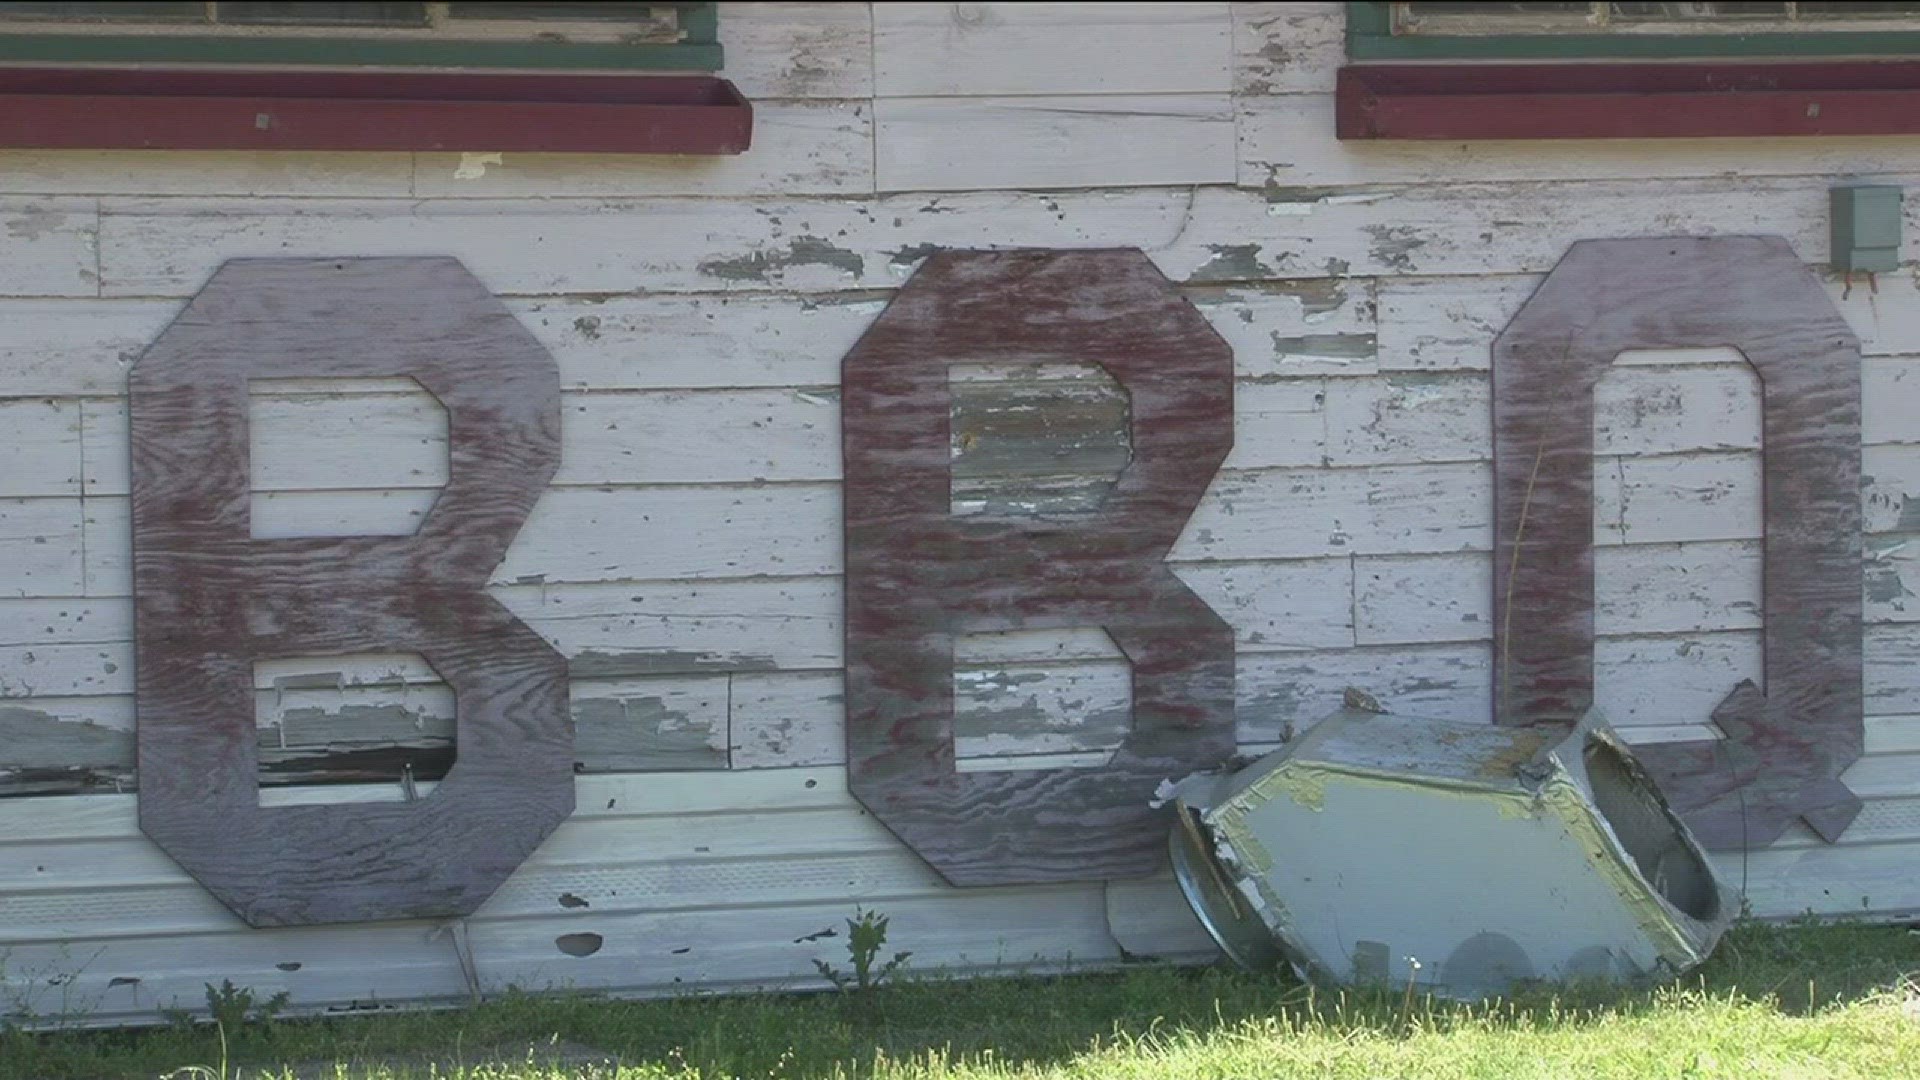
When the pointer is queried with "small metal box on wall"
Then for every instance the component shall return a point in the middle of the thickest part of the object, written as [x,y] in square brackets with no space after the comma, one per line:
[1866,227]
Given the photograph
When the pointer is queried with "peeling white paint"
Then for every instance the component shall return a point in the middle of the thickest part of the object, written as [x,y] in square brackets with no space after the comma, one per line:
[474,166]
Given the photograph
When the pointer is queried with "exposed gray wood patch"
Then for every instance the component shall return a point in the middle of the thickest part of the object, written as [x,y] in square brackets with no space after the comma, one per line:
[1893,577]
[49,247]
[664,342]
[642,725]
[1035,440]
[1010,715]
[1313,326]
[329,733]
[662,627]
[1287,48]
[316,733]
[1890,491]
[46,753]
[1004,710]
[372,718]
[1282,694]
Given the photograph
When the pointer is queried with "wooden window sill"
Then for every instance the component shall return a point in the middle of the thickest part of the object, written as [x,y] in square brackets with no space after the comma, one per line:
[109,108]
[1627,101]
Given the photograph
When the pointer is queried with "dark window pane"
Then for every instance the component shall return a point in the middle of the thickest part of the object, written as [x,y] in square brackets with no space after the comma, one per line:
[1720,10]
[1895,8]
[607,12]
[342,14]
[1517,8]
[156,11]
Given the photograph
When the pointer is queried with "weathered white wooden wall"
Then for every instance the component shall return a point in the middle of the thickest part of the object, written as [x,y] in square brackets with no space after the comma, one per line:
[686,559]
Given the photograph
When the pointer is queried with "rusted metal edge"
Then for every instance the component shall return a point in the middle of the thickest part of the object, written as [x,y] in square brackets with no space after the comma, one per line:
[1626,101]
[107,108]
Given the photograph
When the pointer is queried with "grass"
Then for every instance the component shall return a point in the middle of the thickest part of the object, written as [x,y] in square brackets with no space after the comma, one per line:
[1831,1001]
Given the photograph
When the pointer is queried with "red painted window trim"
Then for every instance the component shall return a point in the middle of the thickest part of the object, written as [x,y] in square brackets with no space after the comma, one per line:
[109,108]
[1626,101]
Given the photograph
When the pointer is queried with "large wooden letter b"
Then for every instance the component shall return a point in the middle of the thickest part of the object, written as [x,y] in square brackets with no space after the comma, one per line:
[917,576]
[210,599]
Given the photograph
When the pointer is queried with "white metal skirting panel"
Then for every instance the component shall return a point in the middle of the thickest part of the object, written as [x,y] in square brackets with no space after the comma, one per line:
[687,881]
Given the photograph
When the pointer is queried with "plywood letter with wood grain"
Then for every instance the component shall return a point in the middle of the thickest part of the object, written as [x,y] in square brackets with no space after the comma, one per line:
[918,576]
[1786,745]
[211,600]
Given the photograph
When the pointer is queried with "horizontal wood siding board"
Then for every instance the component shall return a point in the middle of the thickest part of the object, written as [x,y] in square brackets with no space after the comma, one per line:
[950,50]
[1207,235]
[92,109]
[1287,47]
[1111,140]
[1626,101]
[799,50]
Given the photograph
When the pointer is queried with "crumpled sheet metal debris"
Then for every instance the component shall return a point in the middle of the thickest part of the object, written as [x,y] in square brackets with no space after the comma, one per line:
[1465,858]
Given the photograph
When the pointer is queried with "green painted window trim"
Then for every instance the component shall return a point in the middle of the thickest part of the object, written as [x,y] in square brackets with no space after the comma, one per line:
[700,51]
[1370,36]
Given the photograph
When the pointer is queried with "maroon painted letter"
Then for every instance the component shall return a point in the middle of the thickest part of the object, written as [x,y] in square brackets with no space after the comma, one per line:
[210,599]
[1786,747]
[917,576]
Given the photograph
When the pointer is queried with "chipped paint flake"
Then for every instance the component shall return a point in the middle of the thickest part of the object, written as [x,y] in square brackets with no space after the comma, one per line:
[474,166]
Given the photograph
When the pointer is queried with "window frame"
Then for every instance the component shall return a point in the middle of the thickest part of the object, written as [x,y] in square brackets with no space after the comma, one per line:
[1370,36]
[699,50]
